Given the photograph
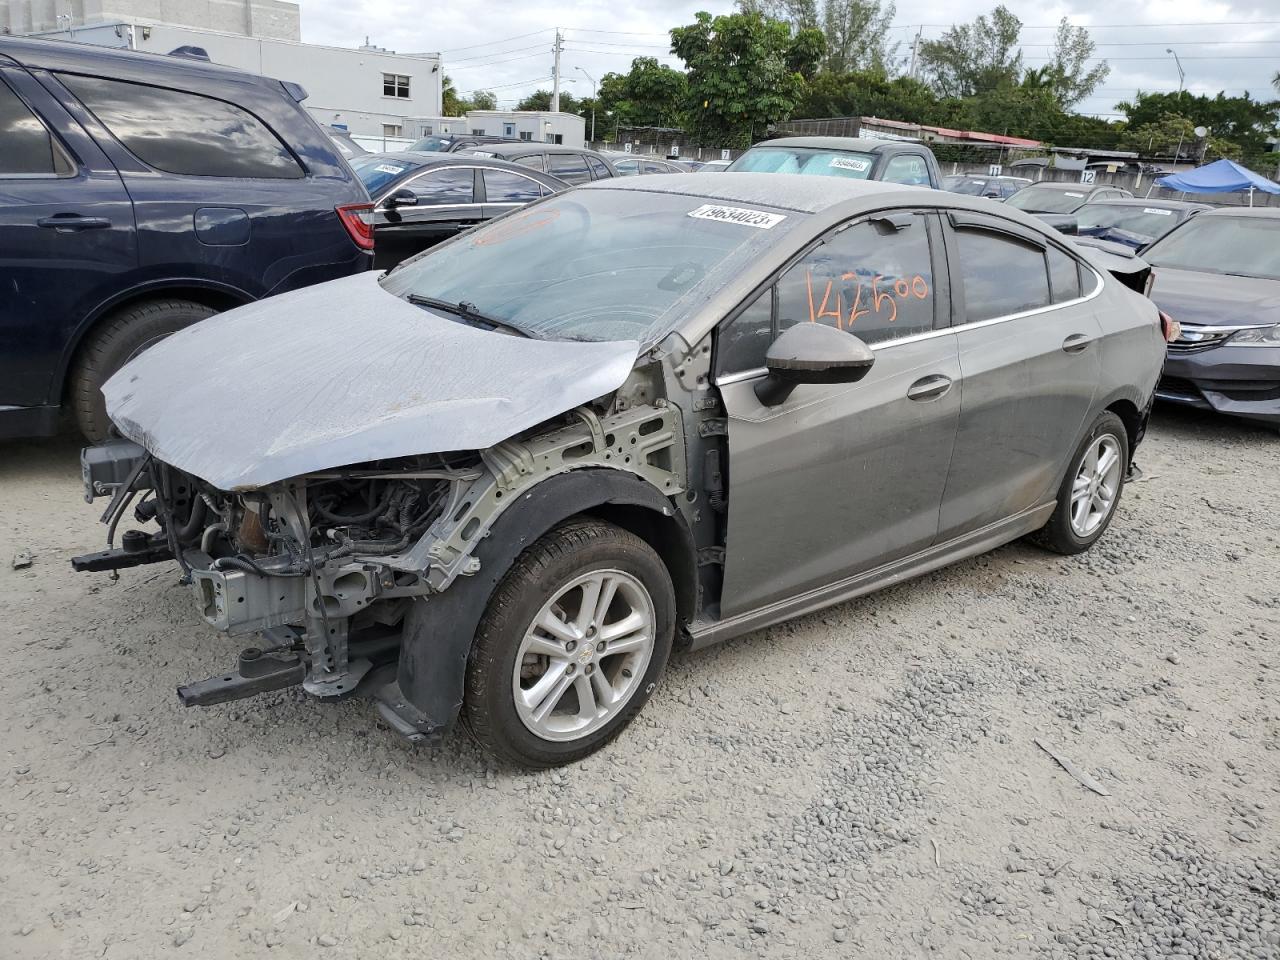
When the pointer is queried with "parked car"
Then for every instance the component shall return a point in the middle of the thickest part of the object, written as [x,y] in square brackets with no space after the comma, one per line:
[715,166]
[420,199]
[342,140]
[894,161]
[993,188]
[451,142]
[570,164]
[648,412]
[1062,198]
[1218,275]
[1134,222]
[143,193]
[630,165]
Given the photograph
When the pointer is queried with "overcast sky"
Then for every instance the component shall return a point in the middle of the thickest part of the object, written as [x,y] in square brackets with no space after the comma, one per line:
[505,45]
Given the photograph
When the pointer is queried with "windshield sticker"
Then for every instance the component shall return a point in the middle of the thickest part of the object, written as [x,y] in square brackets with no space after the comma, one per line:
[1157,210]
[850,163]
[389,168]
[1078,196]
[481,153]
[749,218]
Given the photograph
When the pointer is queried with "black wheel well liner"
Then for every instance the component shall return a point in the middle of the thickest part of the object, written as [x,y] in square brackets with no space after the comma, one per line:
[439,630]
[1134,420]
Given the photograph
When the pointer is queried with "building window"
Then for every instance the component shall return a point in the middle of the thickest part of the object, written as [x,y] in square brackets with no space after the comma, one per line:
[508,129]
[395,85]
[426,132]
[526,134]
[478,131]
[391,129]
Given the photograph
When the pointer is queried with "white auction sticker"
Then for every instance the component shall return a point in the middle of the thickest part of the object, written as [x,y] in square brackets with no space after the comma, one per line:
[1078,196]
[389,168]
[1163,213]
[750,218]
[850,163]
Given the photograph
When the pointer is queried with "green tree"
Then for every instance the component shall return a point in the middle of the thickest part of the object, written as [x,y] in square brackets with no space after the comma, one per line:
[872,93]
[450,103]
[1241,120]
[650,94]
[743,74]
[541,100]
[1071,78]
[971,59]
[1174,135]
[479,100]
[856,31]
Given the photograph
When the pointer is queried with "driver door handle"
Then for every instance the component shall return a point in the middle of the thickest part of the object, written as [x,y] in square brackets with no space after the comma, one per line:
[1076,343]
[70,222]
[929,388]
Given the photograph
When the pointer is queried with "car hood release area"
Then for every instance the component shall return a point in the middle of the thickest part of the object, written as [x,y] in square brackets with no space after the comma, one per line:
[342,373]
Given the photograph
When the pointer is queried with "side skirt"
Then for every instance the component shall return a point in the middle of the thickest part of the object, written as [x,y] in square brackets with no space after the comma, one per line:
[969,545]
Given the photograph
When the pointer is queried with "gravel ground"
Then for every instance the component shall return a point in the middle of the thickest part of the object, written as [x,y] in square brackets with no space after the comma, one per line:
[863,782]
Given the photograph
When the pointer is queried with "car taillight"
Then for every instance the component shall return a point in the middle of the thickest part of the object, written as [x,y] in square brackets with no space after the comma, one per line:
[1170,328]
[358,219]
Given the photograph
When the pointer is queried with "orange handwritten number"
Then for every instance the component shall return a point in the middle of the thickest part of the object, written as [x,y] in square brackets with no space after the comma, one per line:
[880,297]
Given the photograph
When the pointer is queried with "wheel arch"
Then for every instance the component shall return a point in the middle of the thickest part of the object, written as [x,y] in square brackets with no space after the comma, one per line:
[216,296]
[439,630]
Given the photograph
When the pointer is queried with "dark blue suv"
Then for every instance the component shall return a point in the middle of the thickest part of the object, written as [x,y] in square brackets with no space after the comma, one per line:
[140,194]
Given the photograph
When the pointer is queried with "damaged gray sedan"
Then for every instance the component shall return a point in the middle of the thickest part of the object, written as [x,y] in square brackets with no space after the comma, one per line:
[505,480]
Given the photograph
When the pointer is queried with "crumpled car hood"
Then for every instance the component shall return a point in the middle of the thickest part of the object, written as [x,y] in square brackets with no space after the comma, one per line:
[341,373]
[1214,299]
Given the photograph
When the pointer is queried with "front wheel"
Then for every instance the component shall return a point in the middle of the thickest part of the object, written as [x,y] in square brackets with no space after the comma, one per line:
[571,646]
[1091,489]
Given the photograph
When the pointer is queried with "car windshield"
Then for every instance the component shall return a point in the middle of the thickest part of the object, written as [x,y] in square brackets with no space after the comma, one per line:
[595,264]
[966,185]
[810,160]
[376,170]
[1046,200]
[1148,222]
[1241,246]
[431,144]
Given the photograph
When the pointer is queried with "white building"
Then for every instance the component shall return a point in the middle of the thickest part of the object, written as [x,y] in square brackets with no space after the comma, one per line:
[541,125]
[371,91]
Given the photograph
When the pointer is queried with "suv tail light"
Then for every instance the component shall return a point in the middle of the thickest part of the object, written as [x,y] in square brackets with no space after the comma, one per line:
[358,219]
[1170,329]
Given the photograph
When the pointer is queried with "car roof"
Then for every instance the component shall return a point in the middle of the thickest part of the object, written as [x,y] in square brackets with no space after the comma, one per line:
[69,55]
[534,146]
[1262,213]
[837,143]
[804,194]
[1154,202]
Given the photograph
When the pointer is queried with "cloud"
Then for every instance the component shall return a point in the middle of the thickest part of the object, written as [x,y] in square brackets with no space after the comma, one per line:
[1240,54]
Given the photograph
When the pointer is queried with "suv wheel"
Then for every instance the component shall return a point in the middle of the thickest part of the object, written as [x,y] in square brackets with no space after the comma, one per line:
[124,336]
[1091,489]
[573,642]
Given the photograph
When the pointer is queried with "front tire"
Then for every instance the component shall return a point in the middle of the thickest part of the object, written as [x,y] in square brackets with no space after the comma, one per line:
[124,336]
[571,646]
[1090,491]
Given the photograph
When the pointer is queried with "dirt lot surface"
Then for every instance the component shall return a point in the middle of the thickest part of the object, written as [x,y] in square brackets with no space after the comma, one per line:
[864,782]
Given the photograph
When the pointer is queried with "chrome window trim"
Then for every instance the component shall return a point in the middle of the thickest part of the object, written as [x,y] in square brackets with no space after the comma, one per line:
[932,334]
[434,168]
[516,203]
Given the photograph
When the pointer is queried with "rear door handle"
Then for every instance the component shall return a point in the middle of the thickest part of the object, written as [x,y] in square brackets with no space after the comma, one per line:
[929,388]
[71,222]
[1076,342]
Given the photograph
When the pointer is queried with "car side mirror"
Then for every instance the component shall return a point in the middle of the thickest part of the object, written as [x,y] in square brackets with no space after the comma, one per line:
[812,353]
[403,197]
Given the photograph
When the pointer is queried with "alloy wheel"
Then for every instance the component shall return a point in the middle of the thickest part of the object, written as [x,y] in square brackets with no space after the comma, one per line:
[1096,486]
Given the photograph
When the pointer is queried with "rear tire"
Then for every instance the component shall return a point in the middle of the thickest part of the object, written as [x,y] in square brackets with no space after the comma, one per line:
[121,338]
[589,692]
[1090,491]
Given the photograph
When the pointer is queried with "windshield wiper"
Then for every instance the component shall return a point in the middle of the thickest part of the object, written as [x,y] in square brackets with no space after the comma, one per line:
[469,312]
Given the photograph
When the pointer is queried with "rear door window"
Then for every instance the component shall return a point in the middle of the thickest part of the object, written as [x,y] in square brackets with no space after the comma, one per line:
[28,149]
[501,186]
[445,187]
[534,161]
[569,167]
[185,133]
[598,169]
[1064,276]
[1000,273]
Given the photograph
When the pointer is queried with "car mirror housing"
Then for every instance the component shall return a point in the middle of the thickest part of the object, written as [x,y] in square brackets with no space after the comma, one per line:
[812,353]
[403,198]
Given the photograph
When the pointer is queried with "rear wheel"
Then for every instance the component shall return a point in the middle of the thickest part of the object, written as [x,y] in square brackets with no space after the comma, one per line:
[571,646]
[123,336]
[1090,491]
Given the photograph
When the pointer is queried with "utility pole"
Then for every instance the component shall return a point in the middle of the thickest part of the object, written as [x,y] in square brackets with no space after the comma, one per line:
[595,87]
[555,73]
[915,51]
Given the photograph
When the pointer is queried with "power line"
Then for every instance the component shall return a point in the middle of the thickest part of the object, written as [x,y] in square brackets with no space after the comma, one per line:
[493,43]
[498,53]
[494,63]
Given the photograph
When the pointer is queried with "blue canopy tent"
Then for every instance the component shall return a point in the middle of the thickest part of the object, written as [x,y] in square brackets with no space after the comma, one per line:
[1221,176]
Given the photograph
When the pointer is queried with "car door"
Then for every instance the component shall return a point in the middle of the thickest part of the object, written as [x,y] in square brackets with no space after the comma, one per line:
[66,236]
[569,167]
[505,190]
[840,478]
[445,204]
[1029,356]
